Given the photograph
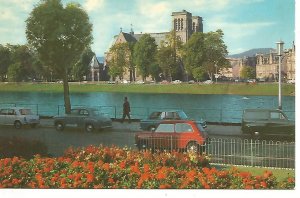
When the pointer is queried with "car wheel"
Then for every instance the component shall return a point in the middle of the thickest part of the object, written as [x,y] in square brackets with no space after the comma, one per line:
[192,147]
[59,126]
[18,124]
[89,128]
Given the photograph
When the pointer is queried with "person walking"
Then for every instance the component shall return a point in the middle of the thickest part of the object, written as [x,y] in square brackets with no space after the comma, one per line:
[126,110]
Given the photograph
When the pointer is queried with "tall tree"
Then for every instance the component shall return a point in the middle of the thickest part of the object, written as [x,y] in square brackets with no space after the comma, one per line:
[216,52]
[144,55]
[206,50]
[120,60]
[5,61]
[82,67]
[59,34]
[165,60]
[169,56]
[247,72]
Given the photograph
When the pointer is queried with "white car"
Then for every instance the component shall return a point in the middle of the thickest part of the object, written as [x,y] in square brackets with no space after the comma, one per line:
[18,117]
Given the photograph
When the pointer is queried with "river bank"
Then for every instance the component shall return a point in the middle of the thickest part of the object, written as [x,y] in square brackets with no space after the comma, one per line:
[266,89]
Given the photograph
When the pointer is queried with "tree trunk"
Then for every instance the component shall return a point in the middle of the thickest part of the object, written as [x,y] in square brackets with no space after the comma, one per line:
[66,94]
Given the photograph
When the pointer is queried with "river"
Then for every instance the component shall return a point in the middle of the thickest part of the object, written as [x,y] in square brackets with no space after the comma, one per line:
[211,107]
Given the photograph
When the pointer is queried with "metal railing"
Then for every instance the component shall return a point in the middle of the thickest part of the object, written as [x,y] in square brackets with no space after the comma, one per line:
[210,115]
[246,152]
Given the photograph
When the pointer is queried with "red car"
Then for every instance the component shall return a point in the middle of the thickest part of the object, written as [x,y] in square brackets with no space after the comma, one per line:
[183,135]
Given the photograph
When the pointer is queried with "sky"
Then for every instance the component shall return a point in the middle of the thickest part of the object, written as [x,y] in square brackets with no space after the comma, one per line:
[246,24]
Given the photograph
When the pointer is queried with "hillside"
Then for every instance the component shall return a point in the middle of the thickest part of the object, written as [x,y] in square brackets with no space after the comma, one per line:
[251,52]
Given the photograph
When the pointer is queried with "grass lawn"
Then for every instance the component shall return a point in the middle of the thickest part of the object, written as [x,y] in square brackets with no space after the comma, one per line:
[280,174]
[224,88]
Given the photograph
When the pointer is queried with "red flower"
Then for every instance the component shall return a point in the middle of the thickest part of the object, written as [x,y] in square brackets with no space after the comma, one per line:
[122,165]
[267,174]
[245,174]
[135,169]
[89,178]
[264,184]
[105,166]
[146,168]
[164,186]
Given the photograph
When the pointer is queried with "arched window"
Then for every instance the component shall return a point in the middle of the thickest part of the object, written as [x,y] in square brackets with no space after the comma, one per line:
[175,25]
[181,24]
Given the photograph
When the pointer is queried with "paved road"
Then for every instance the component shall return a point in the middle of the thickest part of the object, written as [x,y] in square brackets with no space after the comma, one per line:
[120,135]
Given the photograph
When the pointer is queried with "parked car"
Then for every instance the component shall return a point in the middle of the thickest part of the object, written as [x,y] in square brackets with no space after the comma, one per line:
[291,81]
[158,116]
[88,118]
[183,135]
[18,116]
[267,122]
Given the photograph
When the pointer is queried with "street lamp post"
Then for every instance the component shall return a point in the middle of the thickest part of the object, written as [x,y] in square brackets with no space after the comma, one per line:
[279,53]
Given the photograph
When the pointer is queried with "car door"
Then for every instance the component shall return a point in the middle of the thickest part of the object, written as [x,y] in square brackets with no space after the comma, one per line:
[184,134]
[71,119]
[11,116]
[278,124]
[164,136]
[82,118]
[3,116]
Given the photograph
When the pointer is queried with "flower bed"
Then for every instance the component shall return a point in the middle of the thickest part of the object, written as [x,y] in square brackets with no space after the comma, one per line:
[112,167]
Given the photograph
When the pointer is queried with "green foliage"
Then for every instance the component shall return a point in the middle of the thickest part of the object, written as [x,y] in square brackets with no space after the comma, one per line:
[198,73]
[144,55]
[5,60]
[14,72]
[248,72]
[120,59]
[169,57]
[59,35]
[81,68]
[206,50]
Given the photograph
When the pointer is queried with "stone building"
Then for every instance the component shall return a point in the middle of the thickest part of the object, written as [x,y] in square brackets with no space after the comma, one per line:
[267,65]
[183,23]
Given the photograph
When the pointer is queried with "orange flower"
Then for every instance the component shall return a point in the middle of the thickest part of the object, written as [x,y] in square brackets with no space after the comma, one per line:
[164,186]
[245,174]
[105,166]
[111,180]
[191,175]
[146,167]
[161,175]
[263,184]
[122,165]
[291,180]
[89,178]
[267,174]
[135,169]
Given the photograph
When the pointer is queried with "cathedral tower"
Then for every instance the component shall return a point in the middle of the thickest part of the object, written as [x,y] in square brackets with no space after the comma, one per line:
[184,24]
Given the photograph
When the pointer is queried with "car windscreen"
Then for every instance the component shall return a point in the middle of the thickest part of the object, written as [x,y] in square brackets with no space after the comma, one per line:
[182,115]
[165,128]
[155,115]
[25,112]
[95,112]
[256,115]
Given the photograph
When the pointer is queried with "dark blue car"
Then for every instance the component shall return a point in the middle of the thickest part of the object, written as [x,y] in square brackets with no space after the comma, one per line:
[158,116]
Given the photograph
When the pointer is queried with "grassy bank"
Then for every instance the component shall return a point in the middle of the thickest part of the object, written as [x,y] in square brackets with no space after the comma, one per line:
[238,88]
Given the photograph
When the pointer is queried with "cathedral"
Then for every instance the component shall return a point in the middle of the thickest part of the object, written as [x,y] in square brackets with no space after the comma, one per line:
[183,23]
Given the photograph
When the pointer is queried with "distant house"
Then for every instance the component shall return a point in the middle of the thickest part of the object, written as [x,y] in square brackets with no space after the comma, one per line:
[98,72]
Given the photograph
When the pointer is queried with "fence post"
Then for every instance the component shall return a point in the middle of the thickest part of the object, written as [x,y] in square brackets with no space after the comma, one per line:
[37,109]
[251,151]
[115,112]
[57,109]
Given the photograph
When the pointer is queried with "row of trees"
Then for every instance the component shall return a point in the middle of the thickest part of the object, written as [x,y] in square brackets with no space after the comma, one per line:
[21,63]
[198,58]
